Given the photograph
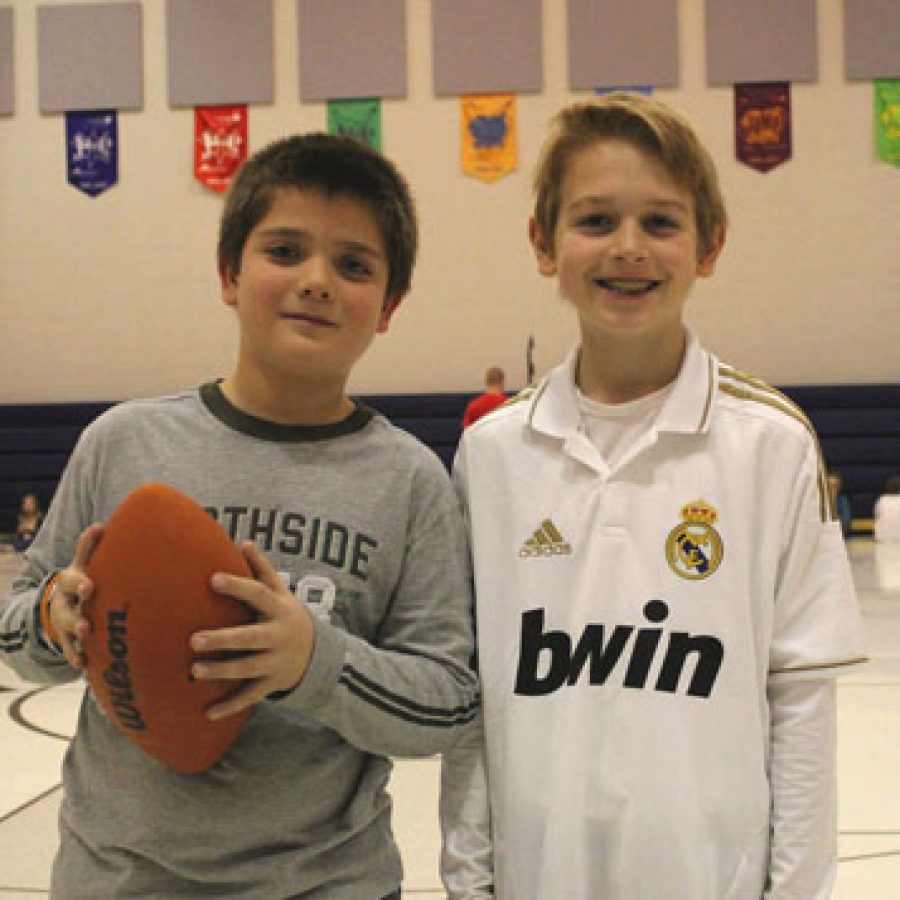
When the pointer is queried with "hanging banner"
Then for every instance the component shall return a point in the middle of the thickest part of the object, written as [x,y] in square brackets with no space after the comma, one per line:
[488,135]
[887,119]
[762,124]
[220,144]
[356,118]
[645,89]
[92,150]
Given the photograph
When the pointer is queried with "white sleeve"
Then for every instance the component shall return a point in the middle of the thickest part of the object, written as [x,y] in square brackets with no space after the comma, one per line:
[803,778]
[817,629]
[466,853]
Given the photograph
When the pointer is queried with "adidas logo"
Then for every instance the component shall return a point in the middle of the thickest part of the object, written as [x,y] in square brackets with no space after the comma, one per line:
[546,541]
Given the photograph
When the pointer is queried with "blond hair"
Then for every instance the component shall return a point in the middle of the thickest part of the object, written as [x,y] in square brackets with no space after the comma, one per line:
[645,124]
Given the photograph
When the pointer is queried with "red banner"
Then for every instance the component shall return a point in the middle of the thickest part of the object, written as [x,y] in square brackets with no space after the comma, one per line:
[762,124]
[220,144]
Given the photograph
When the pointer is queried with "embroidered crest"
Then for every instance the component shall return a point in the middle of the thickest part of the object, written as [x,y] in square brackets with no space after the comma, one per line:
[694,548]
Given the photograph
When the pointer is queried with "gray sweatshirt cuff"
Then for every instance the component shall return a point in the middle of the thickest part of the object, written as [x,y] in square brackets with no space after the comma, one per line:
[318,684]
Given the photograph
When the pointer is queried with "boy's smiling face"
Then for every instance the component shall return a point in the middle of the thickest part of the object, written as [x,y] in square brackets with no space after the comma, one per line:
[310,293]
[625,249]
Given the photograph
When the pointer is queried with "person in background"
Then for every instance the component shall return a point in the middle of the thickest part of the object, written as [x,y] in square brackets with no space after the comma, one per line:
[494,395]
[28,520]
[887,512]
[841,502]
[887,535]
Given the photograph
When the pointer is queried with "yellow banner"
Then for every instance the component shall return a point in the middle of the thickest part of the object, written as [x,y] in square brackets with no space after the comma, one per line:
[488,135]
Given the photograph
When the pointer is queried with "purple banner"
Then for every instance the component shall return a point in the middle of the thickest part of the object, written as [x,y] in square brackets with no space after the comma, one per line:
[762,124]
[92,150]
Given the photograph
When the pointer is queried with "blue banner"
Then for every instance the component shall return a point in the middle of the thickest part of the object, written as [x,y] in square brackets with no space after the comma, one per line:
[92,150]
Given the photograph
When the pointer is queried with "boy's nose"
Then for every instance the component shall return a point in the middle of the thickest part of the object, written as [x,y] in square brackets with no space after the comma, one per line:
[318,292]
[629,243]
[314,281]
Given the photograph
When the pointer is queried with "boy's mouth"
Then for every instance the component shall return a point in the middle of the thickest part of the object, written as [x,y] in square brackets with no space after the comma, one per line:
[633,287]
[306,317]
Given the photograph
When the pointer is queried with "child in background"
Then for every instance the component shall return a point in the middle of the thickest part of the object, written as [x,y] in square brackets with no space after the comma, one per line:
[28,521]
[841,502]
[494,395]
[362,646]
[663,595]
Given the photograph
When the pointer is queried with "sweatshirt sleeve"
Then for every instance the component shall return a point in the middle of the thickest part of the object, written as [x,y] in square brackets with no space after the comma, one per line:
[411,690]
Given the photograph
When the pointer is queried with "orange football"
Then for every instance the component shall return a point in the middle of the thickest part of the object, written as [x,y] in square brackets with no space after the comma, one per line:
[151,573]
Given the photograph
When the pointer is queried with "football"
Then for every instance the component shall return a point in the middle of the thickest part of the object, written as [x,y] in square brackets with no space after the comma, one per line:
[151,573]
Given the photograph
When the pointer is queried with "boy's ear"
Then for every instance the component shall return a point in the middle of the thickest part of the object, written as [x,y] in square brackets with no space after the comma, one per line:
[543,249]
[707,263]
[387,310]
[229,280]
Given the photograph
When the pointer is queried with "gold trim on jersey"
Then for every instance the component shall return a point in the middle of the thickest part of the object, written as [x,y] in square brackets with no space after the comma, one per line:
[546,541]
[525,394]
[772,397]
[537,393]
[823,665]
[709,397]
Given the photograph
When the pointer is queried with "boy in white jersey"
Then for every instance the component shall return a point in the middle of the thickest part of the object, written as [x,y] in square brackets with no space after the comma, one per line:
[662,591]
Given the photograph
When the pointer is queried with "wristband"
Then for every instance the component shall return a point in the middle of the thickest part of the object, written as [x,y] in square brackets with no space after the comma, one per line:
[50,633]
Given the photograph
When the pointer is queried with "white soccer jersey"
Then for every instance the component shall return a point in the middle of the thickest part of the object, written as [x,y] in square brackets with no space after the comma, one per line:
[629,623]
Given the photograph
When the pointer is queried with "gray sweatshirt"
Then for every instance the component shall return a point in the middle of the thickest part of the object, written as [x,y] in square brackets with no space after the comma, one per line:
[361,521]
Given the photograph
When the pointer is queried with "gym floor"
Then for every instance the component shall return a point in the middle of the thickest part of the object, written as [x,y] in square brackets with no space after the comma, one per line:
[35,723]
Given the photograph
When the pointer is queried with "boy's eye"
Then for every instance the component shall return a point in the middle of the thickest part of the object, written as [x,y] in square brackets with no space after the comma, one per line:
[282,253]
[661,223]
[596,222]
[355,268]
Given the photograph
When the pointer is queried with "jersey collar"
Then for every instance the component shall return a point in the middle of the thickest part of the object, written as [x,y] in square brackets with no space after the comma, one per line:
[554,406]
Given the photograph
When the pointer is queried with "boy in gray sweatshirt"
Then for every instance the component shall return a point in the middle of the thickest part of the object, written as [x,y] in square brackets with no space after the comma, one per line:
[362,642]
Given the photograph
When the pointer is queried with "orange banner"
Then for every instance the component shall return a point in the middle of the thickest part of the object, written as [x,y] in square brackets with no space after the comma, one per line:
[488,135]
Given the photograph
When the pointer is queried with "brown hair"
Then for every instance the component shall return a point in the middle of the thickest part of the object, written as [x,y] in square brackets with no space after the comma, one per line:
[335,166]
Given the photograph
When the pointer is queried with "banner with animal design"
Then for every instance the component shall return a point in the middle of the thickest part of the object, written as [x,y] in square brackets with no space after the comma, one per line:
[358,118]
[488,135]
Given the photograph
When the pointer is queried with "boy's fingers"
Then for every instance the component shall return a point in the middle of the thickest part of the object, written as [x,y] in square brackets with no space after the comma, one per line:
[249,695]
[242,668]
[254,593]
[261,567]
[72,652]
[86,543]
[242,637]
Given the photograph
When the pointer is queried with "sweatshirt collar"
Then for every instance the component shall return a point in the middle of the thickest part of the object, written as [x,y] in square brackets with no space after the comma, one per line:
[214,399]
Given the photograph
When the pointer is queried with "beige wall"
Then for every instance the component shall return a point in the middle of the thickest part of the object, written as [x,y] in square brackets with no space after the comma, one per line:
[118,297]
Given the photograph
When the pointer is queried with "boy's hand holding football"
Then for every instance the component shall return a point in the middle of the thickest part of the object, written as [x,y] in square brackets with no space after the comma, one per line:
[273,653]
[63,616]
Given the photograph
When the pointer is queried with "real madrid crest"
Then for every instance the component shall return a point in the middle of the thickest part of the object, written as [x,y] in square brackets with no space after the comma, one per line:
[693,547]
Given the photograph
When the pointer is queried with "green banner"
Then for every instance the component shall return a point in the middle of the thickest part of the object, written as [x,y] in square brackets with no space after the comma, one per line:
[356,118]
[887,119]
